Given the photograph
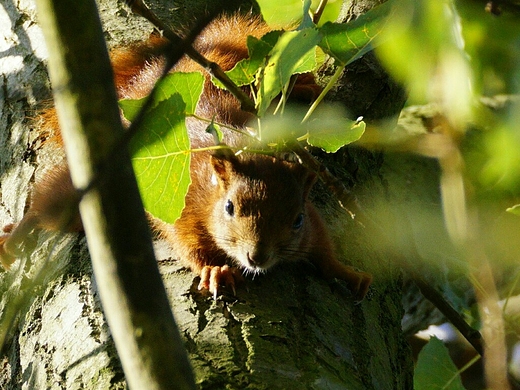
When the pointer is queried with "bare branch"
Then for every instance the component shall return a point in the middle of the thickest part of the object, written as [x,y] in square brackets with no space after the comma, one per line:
[130,286]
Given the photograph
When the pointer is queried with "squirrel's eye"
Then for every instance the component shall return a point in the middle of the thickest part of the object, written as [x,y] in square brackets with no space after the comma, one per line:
[230,208]
[298,222]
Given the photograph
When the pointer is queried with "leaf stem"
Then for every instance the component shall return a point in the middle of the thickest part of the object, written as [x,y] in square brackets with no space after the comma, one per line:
[475,359]
[335,77]
[234,150]
[235,129]
[214,147]
[319,11]
[510,294]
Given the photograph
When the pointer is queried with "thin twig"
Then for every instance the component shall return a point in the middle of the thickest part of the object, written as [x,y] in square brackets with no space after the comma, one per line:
[319,11]
[335,77]
[472,335]
[138,7]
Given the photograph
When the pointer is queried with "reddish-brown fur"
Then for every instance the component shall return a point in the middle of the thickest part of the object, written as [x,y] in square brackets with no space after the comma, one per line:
[270,218]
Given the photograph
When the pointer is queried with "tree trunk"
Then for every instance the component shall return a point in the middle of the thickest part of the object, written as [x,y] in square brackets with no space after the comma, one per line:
[286,329]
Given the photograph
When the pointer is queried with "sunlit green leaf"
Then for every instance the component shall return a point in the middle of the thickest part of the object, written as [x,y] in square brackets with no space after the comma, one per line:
[188,85]
[331,12]
[347,42]
[244,71]
[161,159]
[283,14]
[131,108]
[435,369]
[294,52]
[160,149]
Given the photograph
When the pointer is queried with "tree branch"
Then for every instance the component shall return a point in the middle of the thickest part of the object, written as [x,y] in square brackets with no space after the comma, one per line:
[130,286]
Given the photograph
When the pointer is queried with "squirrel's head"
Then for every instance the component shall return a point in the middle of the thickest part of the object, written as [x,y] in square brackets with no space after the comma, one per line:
[259,218]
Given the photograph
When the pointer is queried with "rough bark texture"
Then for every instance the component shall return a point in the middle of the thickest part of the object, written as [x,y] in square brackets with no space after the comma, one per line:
[287,329]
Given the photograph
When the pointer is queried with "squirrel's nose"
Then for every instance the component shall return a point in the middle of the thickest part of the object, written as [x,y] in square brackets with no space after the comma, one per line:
[255,260]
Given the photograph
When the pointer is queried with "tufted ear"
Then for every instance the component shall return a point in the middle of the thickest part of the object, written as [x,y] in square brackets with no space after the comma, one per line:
[306,177]
[309,183]
[224,166]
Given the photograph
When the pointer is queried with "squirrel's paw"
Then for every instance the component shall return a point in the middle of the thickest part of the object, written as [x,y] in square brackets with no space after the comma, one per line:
[359,282]
[6,259]
[17,239]
[213,276]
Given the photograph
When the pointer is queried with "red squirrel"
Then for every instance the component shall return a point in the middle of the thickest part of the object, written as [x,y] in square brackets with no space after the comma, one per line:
[243,212]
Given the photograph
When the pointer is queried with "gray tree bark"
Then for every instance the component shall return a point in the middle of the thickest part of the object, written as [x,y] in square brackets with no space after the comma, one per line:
[286,329]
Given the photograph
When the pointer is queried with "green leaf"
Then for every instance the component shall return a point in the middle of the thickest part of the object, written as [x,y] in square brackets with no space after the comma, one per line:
[161,148]
[426,53]
[332,134]
[348,42]
[307,21]
[331,12]
[161,159]
[244,71]
[188,85]
[435,369]
[131,107]
[514,210]
[328,128]
[281,14]
[293,53]
[215,131]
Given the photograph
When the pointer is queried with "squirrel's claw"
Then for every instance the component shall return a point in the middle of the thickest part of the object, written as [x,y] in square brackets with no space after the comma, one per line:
[211,277]
[358,282]
[360,287]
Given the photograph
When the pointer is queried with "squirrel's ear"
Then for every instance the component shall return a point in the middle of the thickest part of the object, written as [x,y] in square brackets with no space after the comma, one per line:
[223,168]
[306,177]
[310,179]
[224,163]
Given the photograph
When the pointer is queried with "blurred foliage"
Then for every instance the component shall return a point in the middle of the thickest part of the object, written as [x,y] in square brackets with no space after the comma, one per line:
[466,60]
[457,56]
[424,50]
[493,46]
